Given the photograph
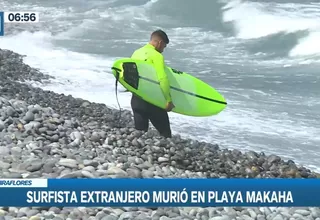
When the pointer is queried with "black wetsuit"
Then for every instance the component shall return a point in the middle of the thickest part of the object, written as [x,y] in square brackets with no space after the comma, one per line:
[144,111]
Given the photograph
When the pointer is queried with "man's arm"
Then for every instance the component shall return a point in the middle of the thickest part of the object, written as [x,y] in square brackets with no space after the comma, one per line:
[162,77]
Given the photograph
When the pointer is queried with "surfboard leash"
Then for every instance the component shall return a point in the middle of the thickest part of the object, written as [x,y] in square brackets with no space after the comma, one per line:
[116,88]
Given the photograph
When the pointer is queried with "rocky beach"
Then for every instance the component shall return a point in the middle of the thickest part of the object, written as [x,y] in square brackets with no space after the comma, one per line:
[48,135]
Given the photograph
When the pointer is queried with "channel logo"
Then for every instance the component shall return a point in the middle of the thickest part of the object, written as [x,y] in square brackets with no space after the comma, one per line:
[1,23]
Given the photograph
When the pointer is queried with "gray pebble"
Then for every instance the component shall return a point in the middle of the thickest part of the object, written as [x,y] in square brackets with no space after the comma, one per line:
[87,174]
[303,212]
[2,212]
[193,212]
[109,217]
[13,175]
[68,163]
[165,218]
[16,150]
[315,212]
[4,165]
[57,218]
[286,214]
[34,218]
[10,111]
[142,216]
[116,171]
[261,217]
[55,138]
[223,217]
[266,211]
[246,217]
[90,163]
[252,213]
[28,117]
[55,210]
[74,174]
[134,172]
[127,216]
[298,216]
[75,135]
[35,167]
[89,169]
[230,211]
[278,217]
[95,137]
[4,150]
[2,125]
[163,159]
[32,212]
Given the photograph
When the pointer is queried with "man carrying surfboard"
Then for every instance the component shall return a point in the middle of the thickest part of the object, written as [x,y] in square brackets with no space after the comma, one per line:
[142,110]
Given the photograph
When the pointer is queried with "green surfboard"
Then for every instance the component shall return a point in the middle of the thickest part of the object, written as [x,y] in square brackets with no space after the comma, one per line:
[190,95]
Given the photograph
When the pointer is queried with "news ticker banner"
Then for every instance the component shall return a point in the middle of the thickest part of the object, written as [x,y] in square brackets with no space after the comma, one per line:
[17,17]
[160,192]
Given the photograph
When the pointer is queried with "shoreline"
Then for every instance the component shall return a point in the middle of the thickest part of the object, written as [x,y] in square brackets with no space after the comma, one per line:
[45,134]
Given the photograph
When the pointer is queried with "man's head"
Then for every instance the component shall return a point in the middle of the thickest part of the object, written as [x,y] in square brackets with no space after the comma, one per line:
[159,40]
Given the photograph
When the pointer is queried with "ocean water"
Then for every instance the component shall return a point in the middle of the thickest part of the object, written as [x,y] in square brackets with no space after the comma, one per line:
[263,56]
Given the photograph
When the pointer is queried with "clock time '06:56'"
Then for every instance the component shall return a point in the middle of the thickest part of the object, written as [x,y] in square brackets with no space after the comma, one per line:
[21,17]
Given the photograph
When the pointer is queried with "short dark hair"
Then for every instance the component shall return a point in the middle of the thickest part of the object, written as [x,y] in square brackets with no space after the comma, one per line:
[160,34]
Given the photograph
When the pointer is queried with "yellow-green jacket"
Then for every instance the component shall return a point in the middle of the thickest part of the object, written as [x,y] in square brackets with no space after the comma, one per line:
[150,54]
